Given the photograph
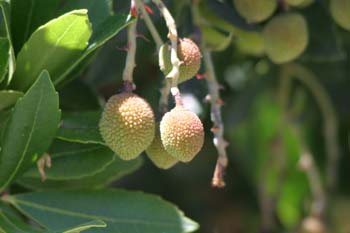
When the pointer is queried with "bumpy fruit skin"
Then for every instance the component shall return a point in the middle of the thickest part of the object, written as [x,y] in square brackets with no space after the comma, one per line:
[340,11]
[158,155]
[127,125]
[188,53]
[285,37]
[182,133]
[255,11]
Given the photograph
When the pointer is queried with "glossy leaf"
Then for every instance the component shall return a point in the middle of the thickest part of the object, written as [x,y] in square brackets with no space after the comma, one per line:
[98,10]
[30,129]
[27,16]
[85,226]
[9,98]
[5,9]
[74,161]
[10,223]
[114,171]
[80,127]
[123,211]
[53,46]
[104,32]
[4,57]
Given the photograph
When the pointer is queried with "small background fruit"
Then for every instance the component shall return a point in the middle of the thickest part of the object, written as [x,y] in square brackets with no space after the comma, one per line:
[249,42]
[127,125]
[214,39]
[255,11]
[340,11]
[285,37]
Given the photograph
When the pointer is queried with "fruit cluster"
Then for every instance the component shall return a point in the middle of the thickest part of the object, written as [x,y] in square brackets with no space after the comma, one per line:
[128,124]
[281,30]
[285,36]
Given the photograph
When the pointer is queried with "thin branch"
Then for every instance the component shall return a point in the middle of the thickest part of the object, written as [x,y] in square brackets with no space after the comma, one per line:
[130,58]
[218,126]
[307,164]
[267,198]
[149,24]
[175,61]
[330,124]
[164,97]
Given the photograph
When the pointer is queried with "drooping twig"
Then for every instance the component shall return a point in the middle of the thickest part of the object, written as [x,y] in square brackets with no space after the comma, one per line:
[218,126]
[330,124]
[175,61]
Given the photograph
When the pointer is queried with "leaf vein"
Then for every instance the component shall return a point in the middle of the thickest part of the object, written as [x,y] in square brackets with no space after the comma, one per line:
[94,217]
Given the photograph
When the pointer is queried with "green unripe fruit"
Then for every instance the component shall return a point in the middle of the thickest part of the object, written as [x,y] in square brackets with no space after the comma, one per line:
[249,42]
[127,125]
[285,37]
[188,53]
[255,11]
[299,3]
[340,11]
[182,133]
[215,40]
[158,155]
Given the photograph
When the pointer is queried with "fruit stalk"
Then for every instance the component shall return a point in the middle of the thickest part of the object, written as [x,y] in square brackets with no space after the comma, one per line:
[149,24]
[175,61]
[130,57]
[218,126]
[165,90]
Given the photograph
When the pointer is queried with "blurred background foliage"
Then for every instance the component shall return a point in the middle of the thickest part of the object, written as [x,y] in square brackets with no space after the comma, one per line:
[266,189]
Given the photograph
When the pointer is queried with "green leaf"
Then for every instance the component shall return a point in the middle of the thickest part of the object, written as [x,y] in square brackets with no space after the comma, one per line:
[5,9]
[74,161]
[98,10]
[86,226]
[9,98]
[104,32]
[53,46]
[78,96]
[293,194]
[4,57]
[117,169]
[11,223]
[295,187]
[26,16]
[30,129]
[80,127]
[123,211]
